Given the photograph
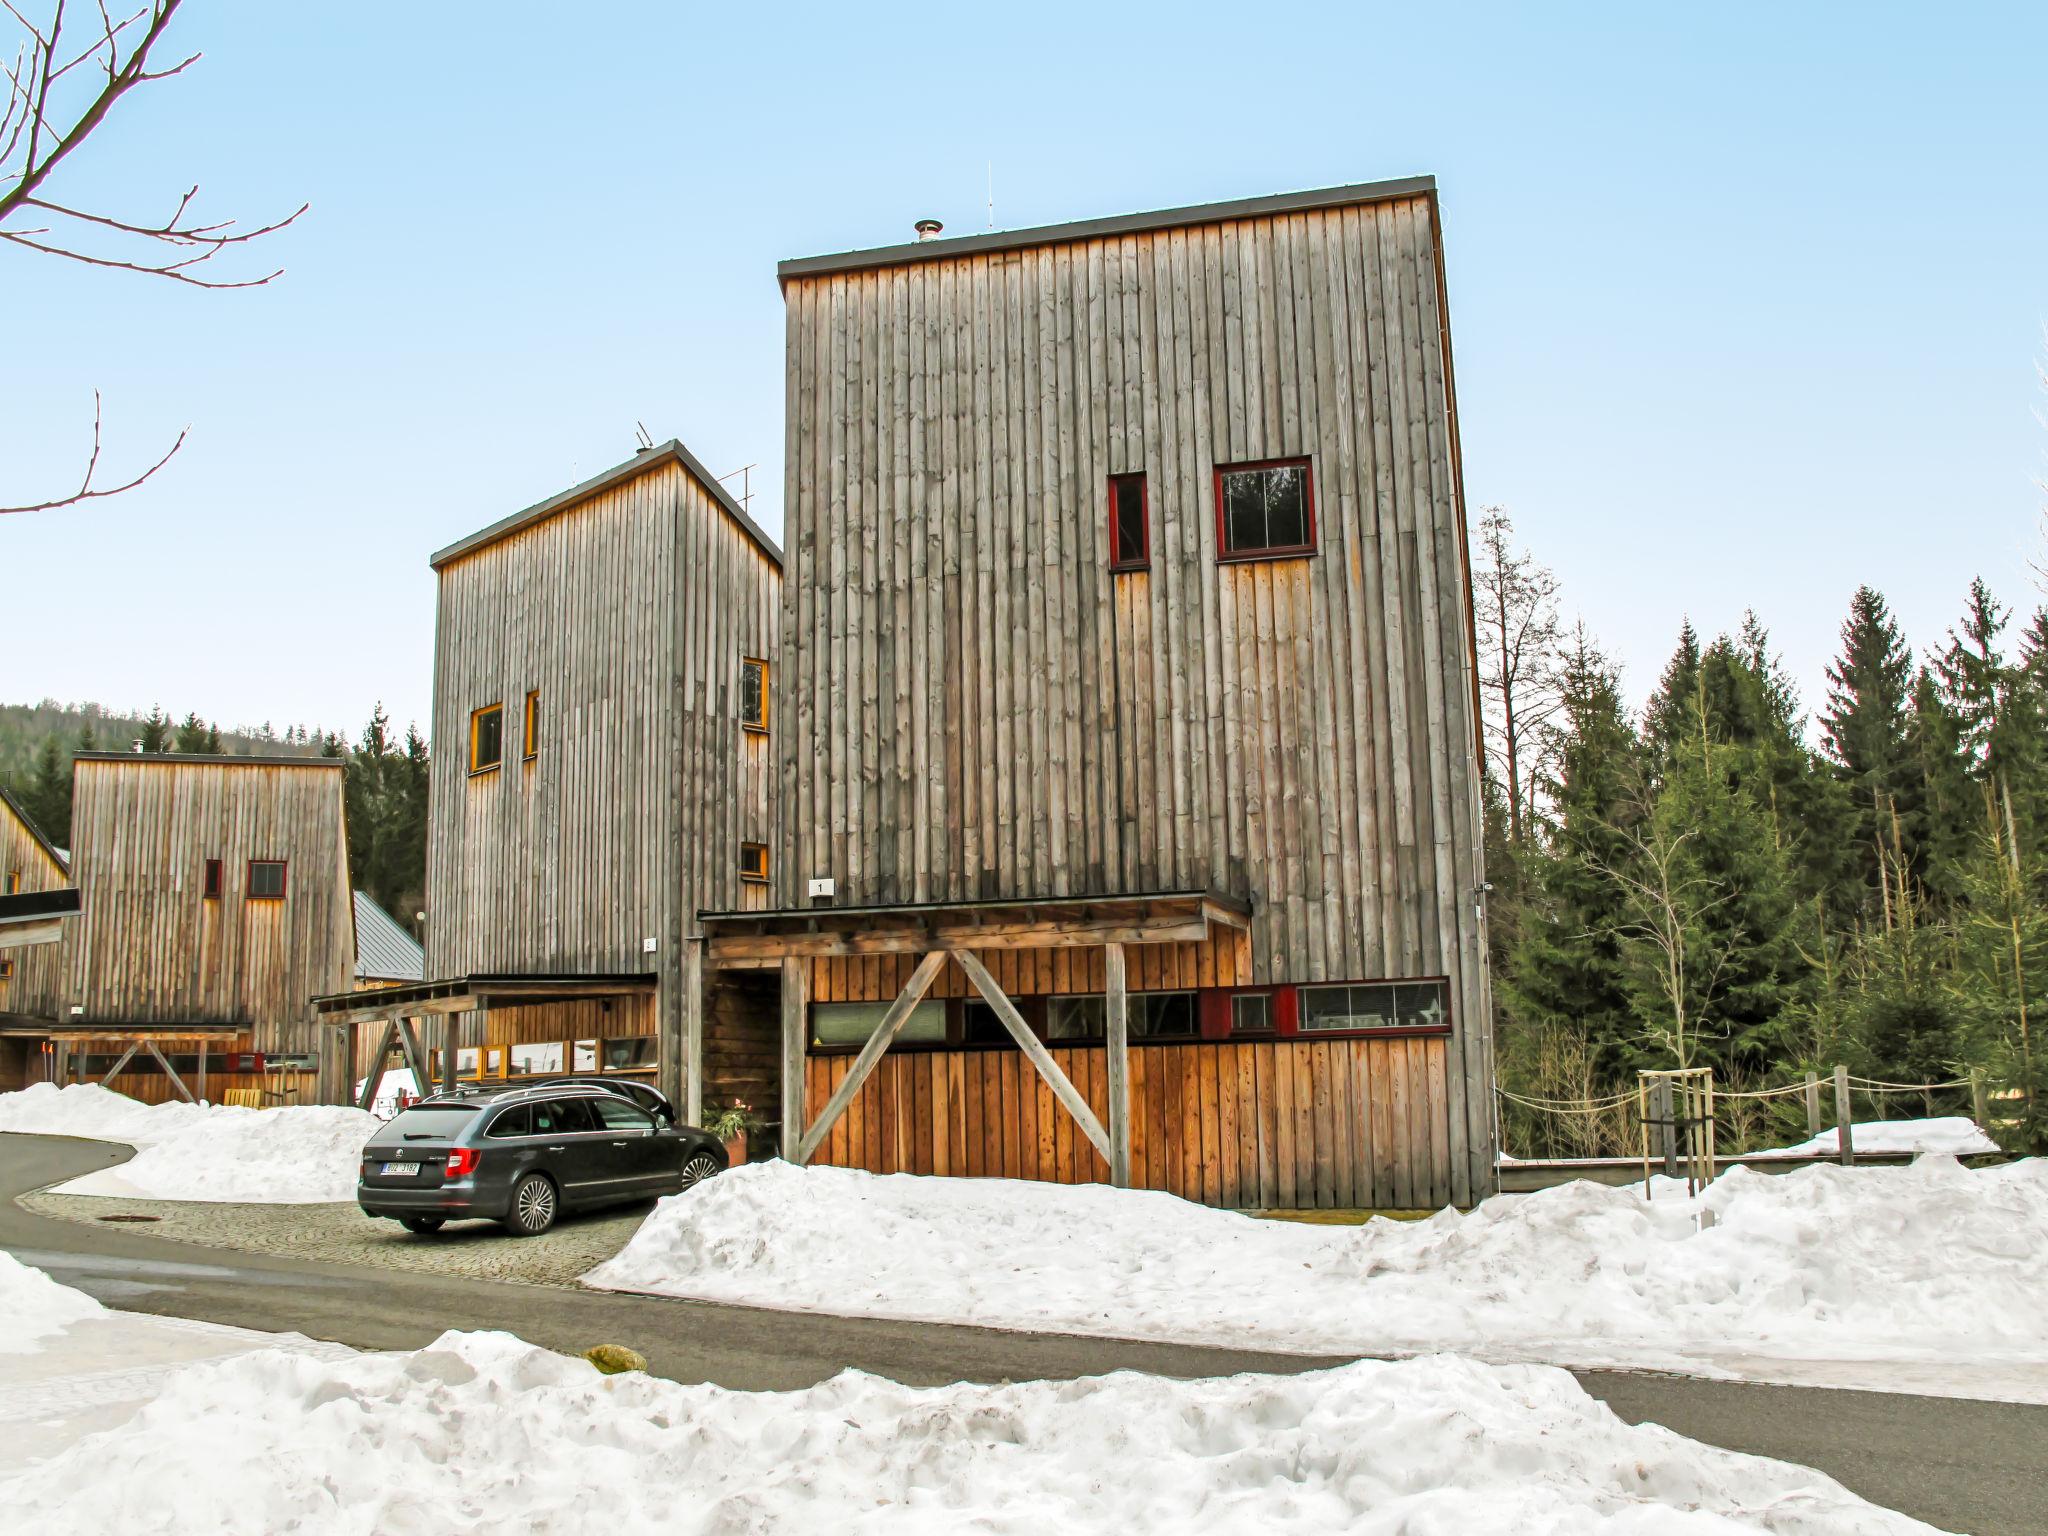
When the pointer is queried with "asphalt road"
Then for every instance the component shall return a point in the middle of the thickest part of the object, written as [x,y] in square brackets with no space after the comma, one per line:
[1960,1465]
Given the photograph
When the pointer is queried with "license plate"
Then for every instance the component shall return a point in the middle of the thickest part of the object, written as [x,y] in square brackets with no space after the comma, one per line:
[395,1170]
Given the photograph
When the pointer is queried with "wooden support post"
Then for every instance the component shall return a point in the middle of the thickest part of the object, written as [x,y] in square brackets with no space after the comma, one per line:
[120,1062]
[171,1072]
[1116,1042]
[1812,1104]
[451,1033]
[1667,1126]
[1034,1049]
[202,1071]
[1843,1118]
[415,1057]
[1979,1110]
[796,982]
[692,983]
[375,1079]
[884,1036]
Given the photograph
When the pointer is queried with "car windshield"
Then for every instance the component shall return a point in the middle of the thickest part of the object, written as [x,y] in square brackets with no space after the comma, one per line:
[431,1122]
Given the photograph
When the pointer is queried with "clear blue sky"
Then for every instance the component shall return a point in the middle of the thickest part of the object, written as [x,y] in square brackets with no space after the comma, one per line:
[1746,301]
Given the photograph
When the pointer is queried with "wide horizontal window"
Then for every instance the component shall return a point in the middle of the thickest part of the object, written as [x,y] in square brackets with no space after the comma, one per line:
[1265,510]
[529,1060]
[630,1054]
[1148,1015]
[850,1024]
[1376,1005]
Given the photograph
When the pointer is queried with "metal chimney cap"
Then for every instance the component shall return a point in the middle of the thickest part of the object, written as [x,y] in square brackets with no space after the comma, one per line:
[929,229]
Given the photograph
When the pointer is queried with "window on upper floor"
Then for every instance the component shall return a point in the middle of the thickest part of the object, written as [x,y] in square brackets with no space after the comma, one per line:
[1264,511]
[266,879]
[754,694]
[532,724]
[754,863]
[6,969]
[213,880]
[1130,530]
[14,882]
[486,738]
[1376,1005]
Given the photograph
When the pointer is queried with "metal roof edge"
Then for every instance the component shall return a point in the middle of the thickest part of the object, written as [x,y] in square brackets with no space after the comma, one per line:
[1120,224]
[231,759]
[670,452]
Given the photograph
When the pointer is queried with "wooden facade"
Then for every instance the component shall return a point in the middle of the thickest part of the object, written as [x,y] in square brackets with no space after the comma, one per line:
[31,975]
[626,609]
[974,706]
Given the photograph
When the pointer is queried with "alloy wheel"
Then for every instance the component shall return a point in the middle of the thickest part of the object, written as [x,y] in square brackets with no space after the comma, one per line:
[697,1170]
[535,1203]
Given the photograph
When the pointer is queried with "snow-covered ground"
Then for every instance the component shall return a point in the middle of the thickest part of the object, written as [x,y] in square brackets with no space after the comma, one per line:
[1957,1135]
[1922,1278]
[481,1433]
[398,1085]
[300,1155]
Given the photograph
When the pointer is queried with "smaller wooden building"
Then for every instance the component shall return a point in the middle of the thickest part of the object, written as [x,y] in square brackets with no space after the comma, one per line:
[37,901]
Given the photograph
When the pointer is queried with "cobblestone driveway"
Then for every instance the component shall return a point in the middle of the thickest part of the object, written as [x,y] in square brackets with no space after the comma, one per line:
[341,1234]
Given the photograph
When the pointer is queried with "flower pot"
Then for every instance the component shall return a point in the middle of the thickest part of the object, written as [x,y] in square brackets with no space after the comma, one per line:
[736,1150]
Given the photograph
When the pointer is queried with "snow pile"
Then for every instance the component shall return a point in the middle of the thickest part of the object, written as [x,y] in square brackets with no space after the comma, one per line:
[33,1307]
[399,1084]
[1932,1264]
[302,1155]
[1955,1135]
[482,1433]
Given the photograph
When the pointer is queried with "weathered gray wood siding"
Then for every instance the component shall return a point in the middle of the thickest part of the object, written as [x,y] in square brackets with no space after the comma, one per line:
[974,706]
[34,988]
[630,612]
[149,948]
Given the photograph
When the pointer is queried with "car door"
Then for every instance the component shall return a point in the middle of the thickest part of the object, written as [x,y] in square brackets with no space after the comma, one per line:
[576,1148]
[646,1159]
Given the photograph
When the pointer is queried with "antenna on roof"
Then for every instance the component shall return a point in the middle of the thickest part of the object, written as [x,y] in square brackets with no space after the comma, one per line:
[991,194]
[746,483]
[640,431]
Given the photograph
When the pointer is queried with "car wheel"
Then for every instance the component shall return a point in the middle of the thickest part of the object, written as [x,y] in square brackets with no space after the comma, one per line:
[422,1224]
[697,1170]
[533,1206]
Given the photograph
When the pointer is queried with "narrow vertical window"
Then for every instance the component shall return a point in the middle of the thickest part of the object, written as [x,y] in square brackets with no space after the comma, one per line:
[266,879]
[486,738]
[754,863]
[1264,511]
[1130,530]
[14,882]
[213,879]
[532,724]
[754,694]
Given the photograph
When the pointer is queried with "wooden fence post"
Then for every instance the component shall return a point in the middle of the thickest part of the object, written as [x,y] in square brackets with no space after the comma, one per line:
[1812,1104]
[1843,1127]
[1667,1127]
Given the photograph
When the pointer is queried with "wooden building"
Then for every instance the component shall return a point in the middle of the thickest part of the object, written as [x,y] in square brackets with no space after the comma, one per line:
[214,903]
[37,902]
[1127,701]
[603,669]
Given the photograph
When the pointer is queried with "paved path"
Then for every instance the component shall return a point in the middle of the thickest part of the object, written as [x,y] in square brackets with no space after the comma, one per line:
[1960,1465]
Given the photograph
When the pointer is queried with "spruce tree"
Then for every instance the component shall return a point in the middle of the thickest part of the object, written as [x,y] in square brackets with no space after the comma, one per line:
[156,730]
[1667,716]
[1864,732]
[48,801]
[190,736]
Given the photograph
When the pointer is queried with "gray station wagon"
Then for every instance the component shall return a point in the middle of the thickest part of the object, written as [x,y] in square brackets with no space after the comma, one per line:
[525,1155]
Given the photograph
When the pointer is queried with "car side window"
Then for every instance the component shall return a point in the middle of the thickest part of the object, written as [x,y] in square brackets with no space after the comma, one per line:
[573,1115]
[618,1115]
[516,1121]
[548,1119]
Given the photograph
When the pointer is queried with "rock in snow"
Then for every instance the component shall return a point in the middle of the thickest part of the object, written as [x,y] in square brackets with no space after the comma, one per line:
[480,1433]
[300,1155]
[1933,1265]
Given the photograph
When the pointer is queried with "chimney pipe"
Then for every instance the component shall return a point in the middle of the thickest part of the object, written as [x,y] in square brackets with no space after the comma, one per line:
[928,229]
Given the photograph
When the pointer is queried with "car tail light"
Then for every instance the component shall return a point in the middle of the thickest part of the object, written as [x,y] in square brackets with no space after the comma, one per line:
[461,1161]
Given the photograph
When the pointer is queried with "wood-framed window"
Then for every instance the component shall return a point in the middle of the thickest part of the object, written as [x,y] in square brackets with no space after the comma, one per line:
[754,863]
[847,1026]
[14,882]
[486,738]
[266,880]
[212,886]
[754,694]
[1130,523]
[1148,1016]
[1371,1007]
[1251,1013]
[1265,510]
[532,725]
[6,968]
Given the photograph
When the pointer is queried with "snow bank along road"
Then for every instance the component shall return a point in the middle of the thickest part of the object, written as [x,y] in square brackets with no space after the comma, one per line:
[1958,1464]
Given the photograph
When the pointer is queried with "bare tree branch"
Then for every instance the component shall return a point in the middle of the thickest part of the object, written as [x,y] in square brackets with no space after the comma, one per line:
[86,490]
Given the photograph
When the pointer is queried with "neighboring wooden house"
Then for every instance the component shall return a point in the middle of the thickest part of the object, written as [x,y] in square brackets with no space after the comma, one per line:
[603,670]
[1127,702]
[37,901]
[386,955]
[215,904]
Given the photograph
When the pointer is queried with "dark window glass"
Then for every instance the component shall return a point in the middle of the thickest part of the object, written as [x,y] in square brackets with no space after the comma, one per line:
[618,1115]
[1130,547]
[1266,510]
[431,1121]
[1077,1018]
[980,1026]
[486,738]
[533,723]
[1162,1015]
[1376,1005]
[516,1121]
[266,878]
[754,694]
[624,1055]
[563,1117]
[213,879]
[754,861]
[1251,1013]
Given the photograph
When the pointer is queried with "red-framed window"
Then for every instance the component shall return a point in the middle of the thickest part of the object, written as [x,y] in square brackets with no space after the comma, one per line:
[1265,510]
[266,880]
[213,880]
[1130,523]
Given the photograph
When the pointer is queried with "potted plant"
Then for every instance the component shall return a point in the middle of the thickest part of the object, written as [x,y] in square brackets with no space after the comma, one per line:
[730,1125]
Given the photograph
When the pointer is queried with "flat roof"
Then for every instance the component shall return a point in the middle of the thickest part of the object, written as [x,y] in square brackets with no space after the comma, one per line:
[781,915]
[490,986]
[233,760]
[1122,224]
[670,452]
[38,906]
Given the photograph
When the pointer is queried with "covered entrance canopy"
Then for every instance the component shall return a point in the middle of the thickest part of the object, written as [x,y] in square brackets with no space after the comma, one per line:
[401,1009]
[35,917]
[147,1040]
[962,932]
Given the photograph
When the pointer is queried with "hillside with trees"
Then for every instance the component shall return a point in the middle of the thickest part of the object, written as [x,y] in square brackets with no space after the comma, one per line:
[1717,880]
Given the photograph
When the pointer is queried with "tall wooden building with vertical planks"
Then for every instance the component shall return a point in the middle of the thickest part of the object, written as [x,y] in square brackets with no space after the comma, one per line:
[1127,704]
[603,667]
[37,902]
